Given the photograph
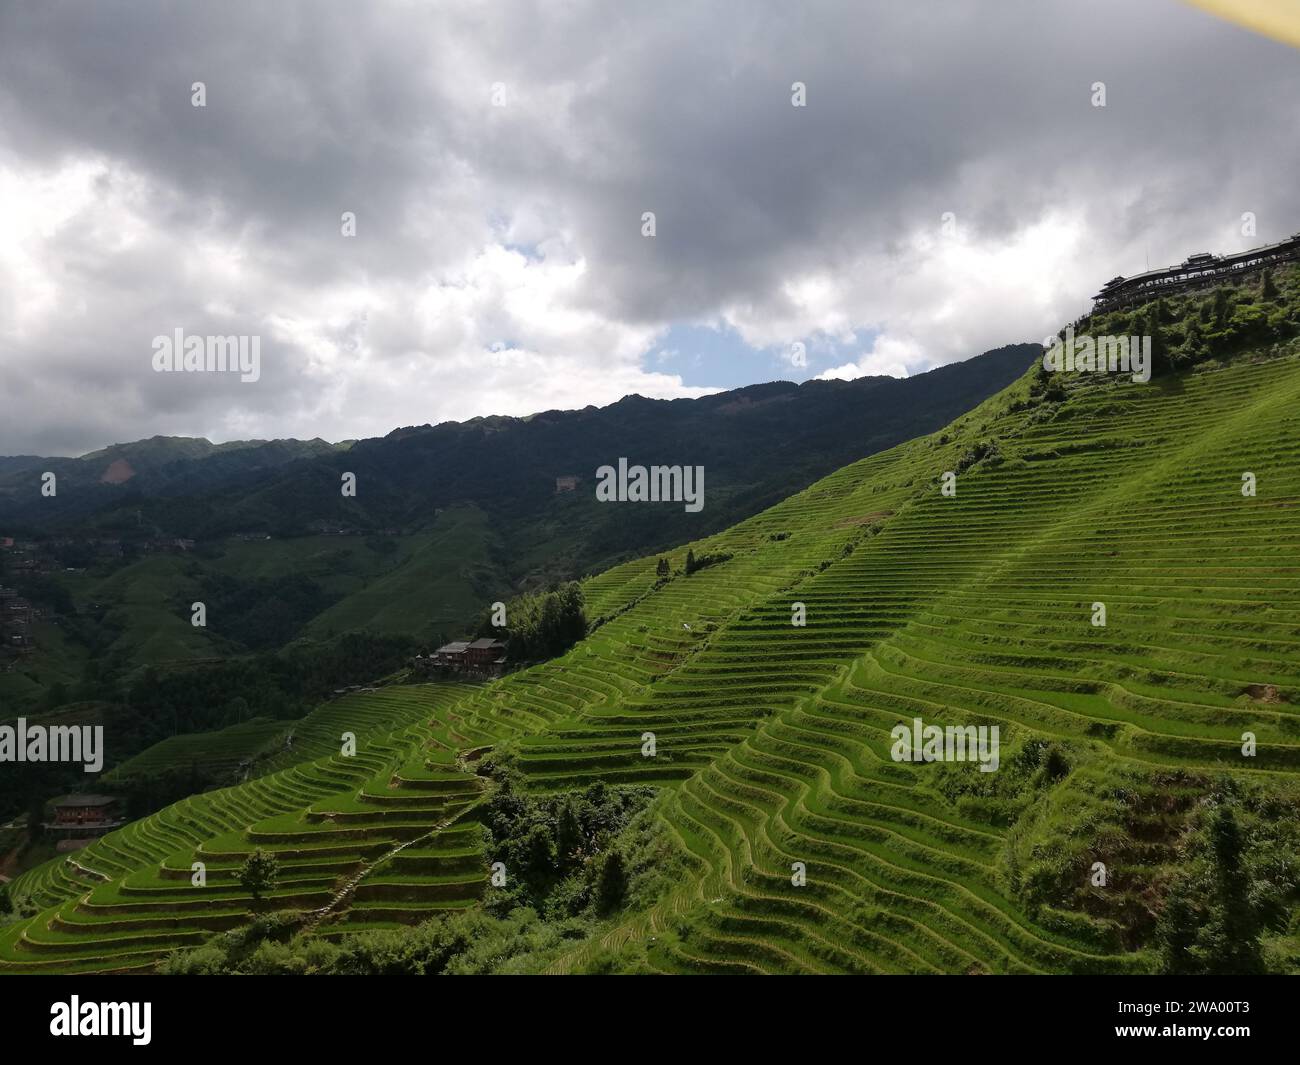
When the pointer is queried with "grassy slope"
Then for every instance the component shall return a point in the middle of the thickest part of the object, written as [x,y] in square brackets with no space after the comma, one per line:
[59,660]
[430,582]
[141,602]
[773,741]
[435,587]
[218,752]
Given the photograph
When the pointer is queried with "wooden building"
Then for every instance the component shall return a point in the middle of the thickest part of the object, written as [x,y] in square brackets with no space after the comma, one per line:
[486,656]
[451,654]
[84,816]
[483,657]
[1198,271]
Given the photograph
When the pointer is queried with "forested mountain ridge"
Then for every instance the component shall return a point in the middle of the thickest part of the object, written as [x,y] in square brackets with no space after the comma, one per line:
[445,519]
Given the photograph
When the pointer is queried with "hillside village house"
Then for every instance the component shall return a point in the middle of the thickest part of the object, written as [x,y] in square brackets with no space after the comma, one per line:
[486,656]
[451,654]
[483,657]
[83,817]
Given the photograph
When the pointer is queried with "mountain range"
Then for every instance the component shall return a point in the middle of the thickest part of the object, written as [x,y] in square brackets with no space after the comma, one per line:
[446,518]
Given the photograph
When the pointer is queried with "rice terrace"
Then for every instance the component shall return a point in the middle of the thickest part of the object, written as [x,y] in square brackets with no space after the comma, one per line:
[646,530]
[1122,743]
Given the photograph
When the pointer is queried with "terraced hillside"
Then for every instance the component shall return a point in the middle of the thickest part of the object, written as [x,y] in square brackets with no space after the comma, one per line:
[220,752]
[808,847]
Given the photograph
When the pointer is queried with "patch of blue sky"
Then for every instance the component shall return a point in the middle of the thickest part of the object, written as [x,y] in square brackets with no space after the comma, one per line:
[717,357]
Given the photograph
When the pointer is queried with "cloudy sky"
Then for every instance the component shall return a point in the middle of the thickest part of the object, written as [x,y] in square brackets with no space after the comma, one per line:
[950,186]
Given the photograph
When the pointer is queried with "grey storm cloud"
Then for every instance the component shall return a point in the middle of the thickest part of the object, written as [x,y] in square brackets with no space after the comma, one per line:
[498,265]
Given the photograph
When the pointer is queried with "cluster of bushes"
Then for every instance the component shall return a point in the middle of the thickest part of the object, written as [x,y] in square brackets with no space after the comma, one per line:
[1045,387]
[985,451]
[695,563]
[467,943]
[542,625]
[559,849]
[1228,907]
[1000,798]
[1203,874]
[1089,856]
[1190,328]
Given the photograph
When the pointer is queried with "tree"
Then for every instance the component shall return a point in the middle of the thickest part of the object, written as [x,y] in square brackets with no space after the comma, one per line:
[1241,927]
[259,873]
[690,561]
[1222,306]
[1267,287]
[568,836]
[543,625]
[1195,344]
[1209,923]
[572,614]
[1180,920]
[662,568]
[6,903]
[611,888]
[550,626]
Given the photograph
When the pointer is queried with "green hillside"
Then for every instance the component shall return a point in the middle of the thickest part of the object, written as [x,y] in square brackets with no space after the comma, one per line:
[213,753]
[444,575]
[1121,744]
[447,518]
[259,595]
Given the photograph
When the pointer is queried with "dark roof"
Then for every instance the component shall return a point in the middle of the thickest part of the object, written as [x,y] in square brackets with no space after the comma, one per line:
[1198,262]
[85,800]
[486,644]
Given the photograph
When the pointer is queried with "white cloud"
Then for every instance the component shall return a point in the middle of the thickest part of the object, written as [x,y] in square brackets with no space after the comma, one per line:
[888,357]
[498,265]
[499,332]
